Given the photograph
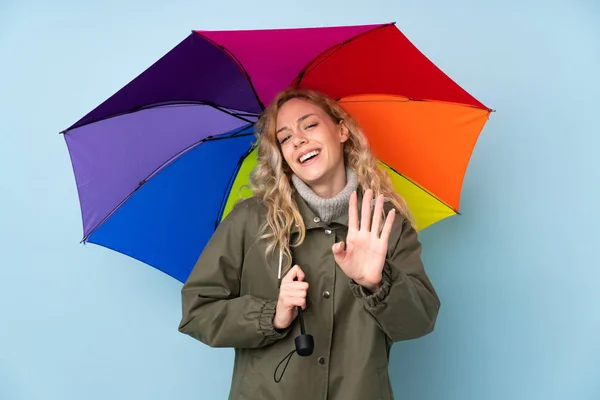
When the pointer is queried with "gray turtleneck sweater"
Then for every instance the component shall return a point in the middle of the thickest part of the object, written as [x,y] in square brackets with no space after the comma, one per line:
[327,208]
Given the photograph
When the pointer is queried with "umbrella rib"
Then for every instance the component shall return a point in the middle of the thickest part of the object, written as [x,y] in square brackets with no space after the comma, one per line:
[162,166]
[420,187]
[316,61]
[237,62]
[173,103]
[408,99]
[211,138]
[236,115]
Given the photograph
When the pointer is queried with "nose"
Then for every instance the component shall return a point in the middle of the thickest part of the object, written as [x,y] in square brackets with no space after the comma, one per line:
[298,138]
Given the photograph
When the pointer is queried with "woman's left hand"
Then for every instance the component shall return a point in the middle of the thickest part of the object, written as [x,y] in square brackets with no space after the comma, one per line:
[364,256]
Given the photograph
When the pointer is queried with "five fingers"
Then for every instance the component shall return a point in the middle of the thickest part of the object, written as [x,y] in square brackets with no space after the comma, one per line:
[352,213]
[293,298]
[377,214]
[295,272]
[293,292]
[365,220]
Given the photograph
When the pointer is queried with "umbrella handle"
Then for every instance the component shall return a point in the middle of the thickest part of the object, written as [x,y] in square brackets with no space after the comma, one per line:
[305,343]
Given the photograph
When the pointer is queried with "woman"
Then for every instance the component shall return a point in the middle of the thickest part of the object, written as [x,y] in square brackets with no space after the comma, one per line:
[324,231]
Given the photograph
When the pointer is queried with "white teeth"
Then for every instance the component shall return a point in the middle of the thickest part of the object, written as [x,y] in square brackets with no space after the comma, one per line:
[309,155]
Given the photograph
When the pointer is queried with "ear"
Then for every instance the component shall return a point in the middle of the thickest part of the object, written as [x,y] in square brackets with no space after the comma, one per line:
[344,132]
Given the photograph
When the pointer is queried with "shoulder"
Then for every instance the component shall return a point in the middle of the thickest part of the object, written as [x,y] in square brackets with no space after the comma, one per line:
[246,213]
[249,205]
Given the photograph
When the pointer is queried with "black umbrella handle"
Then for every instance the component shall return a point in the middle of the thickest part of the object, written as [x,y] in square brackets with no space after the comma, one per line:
[301,319]
[305,344]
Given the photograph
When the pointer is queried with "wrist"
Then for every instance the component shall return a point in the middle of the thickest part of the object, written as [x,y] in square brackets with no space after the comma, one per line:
[372,285]
[373,288]
[277,324]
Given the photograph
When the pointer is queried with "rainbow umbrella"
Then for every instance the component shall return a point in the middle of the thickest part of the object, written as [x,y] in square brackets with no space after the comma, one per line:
[161,162]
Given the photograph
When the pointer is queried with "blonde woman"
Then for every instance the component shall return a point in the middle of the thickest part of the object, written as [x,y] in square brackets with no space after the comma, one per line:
[324,235]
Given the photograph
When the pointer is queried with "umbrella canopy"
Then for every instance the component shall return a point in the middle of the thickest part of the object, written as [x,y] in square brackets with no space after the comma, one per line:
[161,162]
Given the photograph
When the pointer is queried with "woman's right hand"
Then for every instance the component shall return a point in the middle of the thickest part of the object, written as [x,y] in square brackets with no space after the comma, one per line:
[292,294]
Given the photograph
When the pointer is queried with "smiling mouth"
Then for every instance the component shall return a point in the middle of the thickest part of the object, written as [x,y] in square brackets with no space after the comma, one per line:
[309,156]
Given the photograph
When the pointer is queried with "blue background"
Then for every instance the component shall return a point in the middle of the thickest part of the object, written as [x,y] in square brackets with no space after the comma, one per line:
[517,272]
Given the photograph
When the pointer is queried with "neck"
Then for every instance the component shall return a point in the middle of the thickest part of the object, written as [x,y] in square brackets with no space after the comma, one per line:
[328,208]
[331,185]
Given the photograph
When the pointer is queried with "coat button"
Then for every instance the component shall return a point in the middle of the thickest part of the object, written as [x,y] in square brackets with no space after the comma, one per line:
[328,231]
[321,360]
[317,219]
[326,294]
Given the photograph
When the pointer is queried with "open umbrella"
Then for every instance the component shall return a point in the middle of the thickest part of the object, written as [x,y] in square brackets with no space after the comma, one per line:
[161,162]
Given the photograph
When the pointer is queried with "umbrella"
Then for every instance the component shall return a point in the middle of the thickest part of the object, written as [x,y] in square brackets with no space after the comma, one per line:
[162,161]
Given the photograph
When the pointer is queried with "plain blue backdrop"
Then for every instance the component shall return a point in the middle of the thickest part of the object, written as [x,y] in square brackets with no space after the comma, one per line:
[517,272]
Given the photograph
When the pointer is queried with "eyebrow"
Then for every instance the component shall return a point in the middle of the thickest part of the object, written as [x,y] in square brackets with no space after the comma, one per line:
[302,118]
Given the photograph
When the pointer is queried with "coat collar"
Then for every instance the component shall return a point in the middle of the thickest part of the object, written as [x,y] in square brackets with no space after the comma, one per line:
[311,220]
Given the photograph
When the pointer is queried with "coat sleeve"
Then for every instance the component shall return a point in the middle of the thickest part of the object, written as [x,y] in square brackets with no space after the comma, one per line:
[214,312]
[406,306]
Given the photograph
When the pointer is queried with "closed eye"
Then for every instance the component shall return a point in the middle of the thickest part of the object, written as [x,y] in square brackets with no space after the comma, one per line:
[285,139]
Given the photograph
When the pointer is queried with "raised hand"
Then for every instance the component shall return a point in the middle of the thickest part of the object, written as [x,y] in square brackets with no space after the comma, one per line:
[364,256]
[291,295]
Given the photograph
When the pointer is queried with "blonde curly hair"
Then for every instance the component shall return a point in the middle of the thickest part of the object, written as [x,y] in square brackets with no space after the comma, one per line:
[270,179]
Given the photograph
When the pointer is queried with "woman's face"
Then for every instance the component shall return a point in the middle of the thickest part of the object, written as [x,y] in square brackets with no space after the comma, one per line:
[312,145]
